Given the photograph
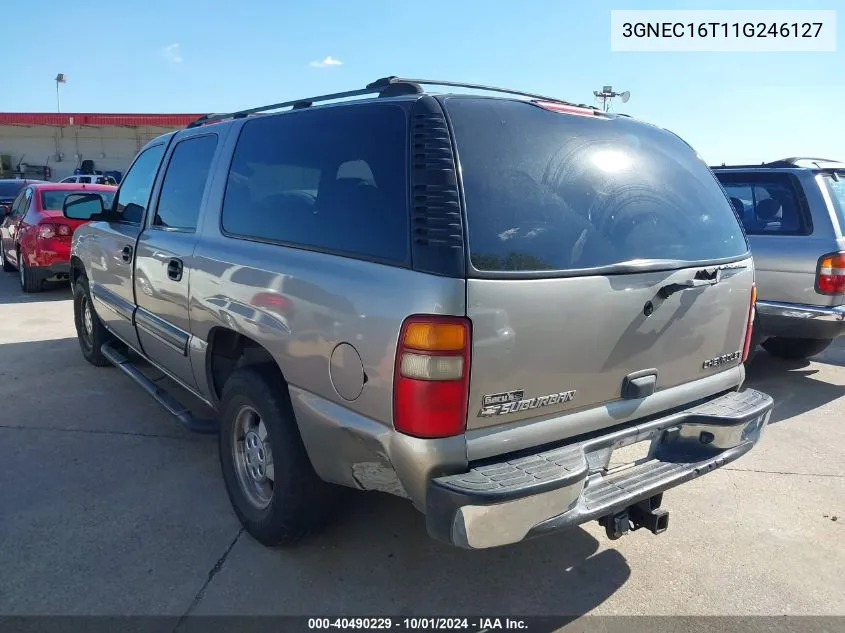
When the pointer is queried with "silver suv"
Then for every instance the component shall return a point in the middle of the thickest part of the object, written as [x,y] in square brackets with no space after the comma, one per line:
[793,211]
[518,313]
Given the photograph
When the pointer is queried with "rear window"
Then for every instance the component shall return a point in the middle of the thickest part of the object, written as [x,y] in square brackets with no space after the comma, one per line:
[10,189]
[330,179]
[55,200]
[551,191]
[836,187]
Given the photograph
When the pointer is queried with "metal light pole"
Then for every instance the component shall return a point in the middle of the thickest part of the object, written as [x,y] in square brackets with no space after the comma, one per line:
[61,78]
[607,93]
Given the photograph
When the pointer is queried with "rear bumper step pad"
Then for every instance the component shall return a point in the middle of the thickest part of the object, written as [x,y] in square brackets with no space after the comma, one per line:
[504,502]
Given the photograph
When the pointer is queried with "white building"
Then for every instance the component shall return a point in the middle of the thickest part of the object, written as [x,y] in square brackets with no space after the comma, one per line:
[61,141]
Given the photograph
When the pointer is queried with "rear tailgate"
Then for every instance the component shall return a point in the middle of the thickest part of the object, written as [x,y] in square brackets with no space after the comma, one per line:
[602,249]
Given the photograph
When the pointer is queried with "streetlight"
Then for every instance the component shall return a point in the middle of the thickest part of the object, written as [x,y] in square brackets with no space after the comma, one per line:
[61,78]
[607,93]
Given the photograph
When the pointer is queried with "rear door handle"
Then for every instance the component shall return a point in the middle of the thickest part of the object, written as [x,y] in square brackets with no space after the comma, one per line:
[126,253]
[174,269]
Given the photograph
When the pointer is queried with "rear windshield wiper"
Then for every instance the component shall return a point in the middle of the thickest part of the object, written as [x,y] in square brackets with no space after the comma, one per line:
[701,278]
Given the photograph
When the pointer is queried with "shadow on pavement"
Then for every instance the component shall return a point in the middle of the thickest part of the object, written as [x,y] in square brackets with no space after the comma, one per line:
[377,558]
[10,291]
[795,385]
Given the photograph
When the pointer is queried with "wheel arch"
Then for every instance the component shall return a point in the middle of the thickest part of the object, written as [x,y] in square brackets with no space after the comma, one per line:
[77,269]
[228,351]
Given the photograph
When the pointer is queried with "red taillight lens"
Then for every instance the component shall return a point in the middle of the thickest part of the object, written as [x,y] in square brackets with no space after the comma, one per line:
[431,383]
[749,329]
[47,230]
[830,275]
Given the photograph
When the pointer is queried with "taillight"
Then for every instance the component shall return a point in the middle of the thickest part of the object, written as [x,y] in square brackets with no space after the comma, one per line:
[47,230]
[830,274]
[749,329]
[431,383]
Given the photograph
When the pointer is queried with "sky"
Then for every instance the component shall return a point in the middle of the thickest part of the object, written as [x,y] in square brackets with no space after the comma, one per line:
[214,55]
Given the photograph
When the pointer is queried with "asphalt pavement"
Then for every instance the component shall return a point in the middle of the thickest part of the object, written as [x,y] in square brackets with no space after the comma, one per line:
[108,507]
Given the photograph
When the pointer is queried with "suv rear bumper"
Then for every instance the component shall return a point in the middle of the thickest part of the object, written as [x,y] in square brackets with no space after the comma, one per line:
[506,501]
[793,320]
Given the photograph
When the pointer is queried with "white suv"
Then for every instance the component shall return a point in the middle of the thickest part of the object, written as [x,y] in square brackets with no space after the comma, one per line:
[96,179]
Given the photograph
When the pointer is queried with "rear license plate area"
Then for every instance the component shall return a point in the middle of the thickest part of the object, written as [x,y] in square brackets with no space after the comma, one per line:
[627,456]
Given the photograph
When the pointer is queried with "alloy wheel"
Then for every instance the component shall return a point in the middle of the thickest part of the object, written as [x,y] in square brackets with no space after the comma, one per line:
[253,457]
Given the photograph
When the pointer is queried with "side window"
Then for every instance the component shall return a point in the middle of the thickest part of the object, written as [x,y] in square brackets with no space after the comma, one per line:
[71,179]
[767,205]
[184,183]
[134,194]
[85,179]
[331,179]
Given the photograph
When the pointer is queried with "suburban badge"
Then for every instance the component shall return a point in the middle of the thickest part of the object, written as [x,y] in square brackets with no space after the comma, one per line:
[514,401]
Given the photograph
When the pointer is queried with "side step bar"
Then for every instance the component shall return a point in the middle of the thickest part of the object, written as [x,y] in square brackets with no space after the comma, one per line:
[117,358]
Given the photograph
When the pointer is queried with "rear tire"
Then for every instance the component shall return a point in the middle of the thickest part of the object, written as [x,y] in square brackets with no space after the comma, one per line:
[90,332]
[795,348]
[257,430]
[29,278]
[7,267]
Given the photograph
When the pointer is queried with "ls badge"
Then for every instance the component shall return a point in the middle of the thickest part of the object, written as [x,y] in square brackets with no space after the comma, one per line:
[514,401]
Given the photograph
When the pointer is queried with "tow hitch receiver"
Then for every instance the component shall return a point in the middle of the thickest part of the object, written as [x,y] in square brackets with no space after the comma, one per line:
[645,514]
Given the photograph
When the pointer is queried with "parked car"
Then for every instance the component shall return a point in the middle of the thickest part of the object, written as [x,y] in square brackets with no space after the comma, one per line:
[97,179]
[793,211]
[594,257]
[9,190]
[35,237]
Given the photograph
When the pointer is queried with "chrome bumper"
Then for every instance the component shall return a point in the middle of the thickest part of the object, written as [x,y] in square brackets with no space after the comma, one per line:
[529,495]
[795,320]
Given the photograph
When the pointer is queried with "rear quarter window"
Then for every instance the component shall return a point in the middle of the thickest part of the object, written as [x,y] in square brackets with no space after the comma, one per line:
[549,191]
[330,179]
[836,188]
[767,203]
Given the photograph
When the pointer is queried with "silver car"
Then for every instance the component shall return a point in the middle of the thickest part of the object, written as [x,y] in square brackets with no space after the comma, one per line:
[793,211]
[518,313]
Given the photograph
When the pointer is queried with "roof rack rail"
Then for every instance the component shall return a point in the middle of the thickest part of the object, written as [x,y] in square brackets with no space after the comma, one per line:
[384,87]
[791,162]
[794,160]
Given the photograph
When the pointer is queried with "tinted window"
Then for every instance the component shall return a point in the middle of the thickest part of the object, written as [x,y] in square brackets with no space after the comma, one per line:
[134,194]
[836,187]
[332,178]
[55,200]
[766,203]
[184,183]
[552,191]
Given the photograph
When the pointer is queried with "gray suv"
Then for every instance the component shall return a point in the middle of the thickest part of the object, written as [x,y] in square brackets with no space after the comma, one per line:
[518,313]
[793,211]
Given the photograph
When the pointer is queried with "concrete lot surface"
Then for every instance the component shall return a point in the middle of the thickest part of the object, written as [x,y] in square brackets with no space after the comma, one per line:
[108,507]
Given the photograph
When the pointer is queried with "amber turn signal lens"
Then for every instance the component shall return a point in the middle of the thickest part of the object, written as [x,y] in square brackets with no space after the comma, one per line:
[435,337]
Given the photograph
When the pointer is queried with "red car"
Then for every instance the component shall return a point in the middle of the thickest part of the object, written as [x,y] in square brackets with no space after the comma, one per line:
[35,236]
